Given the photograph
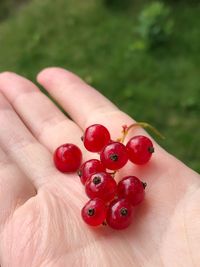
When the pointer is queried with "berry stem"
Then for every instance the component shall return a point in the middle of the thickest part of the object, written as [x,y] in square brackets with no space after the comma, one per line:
[144,184]
[112,173]
[144,125]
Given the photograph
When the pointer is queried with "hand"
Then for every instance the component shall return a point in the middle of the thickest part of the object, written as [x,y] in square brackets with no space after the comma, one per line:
[40,222]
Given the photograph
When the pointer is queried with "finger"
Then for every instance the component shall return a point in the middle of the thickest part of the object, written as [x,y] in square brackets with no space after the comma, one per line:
[87,106]
[15,188]
[22,147]
[83,103]
[47,123]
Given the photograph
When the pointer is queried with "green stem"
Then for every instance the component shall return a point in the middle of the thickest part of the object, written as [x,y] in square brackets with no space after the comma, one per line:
[143,125]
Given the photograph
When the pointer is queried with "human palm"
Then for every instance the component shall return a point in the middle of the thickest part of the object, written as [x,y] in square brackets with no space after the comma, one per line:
[40,223]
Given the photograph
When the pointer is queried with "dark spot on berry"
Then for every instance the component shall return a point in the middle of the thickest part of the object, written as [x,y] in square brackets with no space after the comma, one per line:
[90,212]
[151,149]
[114,157]
[104,223]
[96,180]
[79,172]
[123,211]
[144,184]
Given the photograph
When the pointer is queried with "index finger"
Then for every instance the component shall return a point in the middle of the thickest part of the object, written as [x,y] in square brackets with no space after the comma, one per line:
[84,104]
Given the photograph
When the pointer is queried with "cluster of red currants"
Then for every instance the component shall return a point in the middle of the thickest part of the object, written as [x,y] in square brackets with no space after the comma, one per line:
[110,203]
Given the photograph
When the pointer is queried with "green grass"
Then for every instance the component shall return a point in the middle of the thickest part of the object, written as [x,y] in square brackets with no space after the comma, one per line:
[161,87]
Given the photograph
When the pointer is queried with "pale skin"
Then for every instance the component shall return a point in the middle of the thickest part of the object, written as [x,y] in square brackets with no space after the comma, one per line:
[40,223]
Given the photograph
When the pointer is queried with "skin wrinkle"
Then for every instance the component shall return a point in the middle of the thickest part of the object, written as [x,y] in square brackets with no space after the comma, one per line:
[186,189]
[31,91]
[146,257]
[192,193]
[14,230]
[50,121]
[50,203]
[32,237]
[12,186]
[186,238]
[181,205]
[144,260]
[44,214]
[11,79]
[81,253]
[15,140]
[110,259]
[80,257]
[27,152]
[47,128]
[173,206]
[74,195]
[60,129]
[69,76]
[90,244]
[100,112]
[5,164]
[77,248]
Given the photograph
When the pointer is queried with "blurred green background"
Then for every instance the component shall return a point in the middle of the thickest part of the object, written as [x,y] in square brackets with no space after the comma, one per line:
[145,59]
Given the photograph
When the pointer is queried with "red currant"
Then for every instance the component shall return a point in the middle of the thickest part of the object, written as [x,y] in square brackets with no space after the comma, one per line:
[96,137]
[132,189]
[101,185]
[119,215]
[114,156]
[140,149]
[94,212]
[90,167]
[67,158]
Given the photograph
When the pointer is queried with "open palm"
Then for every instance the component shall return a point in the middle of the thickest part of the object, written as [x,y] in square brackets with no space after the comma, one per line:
[40,223]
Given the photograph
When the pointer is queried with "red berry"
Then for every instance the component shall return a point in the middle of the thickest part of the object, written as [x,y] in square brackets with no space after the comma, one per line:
[67,158]
[119,215]
[101,185]
[90,167]
[132,189]
[96,137]
[140,149]
[94,212]
[114,156]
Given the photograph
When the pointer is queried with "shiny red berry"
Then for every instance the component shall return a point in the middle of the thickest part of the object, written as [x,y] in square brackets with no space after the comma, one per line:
[119,215]
[114,156]
[132,189]
[101,185]
[94,212]
[67,158]
[96,137]
[140,149]
[90,167]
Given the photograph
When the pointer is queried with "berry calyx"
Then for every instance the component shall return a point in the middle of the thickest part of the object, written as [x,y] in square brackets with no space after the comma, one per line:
[96,137]
[132,189]
[119,215]
[101,185]
[94,212]
[114,156]
[140,149]
[67,158]
[88,168]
